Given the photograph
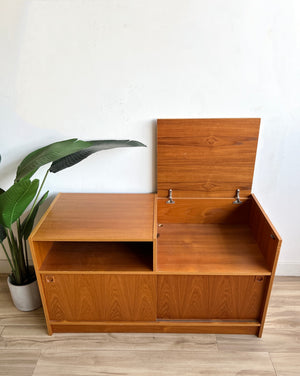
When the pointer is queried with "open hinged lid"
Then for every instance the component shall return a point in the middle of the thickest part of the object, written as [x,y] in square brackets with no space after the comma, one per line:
[206,157]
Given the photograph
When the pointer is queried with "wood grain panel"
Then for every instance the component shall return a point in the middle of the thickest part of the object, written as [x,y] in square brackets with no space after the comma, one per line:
[210,297]
[269,242]
[206,157]
[238,297]
[209,249]
[100,297]
[182,297]
[199,211]
[98,217]
[265,234]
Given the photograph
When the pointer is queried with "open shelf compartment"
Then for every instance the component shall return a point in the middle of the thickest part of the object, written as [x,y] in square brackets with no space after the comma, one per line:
[99,256]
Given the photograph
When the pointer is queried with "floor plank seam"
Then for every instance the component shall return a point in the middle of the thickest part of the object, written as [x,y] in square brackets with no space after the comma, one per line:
[49,351]
[272,364]
[217,344]
[33,372]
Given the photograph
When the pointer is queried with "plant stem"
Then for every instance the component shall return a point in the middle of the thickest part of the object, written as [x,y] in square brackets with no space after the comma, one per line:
[21,248]
[14,251]
[39,191]
[26,254]
[19,233]
[13,255]
[35,200]
[8,258]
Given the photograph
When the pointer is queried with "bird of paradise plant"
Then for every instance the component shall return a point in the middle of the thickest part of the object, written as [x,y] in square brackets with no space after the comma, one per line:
[27,193]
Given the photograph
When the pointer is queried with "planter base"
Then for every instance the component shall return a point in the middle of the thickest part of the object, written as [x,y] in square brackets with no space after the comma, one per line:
[26,297]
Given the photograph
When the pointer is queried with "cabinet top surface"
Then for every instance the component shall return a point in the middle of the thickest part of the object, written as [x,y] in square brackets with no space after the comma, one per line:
[97,217]
[206,157]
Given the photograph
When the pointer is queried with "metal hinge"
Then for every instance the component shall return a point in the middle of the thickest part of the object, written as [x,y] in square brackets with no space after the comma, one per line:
[237,196]
[170,198]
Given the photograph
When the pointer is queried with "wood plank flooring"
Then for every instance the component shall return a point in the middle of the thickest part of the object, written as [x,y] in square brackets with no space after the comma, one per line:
[26,349]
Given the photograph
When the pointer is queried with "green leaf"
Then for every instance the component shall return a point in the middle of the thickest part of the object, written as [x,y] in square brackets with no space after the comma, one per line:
[47,154]
[96,145]
[1,191]
[29,175]
[27,226]
[15,200]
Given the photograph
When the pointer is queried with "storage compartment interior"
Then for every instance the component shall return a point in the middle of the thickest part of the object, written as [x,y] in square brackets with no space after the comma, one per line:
[209,249]
[99,256]
[210,240]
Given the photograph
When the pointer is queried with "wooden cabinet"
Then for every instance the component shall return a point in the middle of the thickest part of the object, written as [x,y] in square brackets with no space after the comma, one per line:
[197,257]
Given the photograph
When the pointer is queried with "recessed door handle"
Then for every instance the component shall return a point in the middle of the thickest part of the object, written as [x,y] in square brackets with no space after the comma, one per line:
[259,278]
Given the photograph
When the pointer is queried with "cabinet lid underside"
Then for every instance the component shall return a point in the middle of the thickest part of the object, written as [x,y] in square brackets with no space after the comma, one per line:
[206,157]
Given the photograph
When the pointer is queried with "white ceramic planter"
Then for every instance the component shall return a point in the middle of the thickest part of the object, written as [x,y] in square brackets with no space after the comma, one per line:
[26,297]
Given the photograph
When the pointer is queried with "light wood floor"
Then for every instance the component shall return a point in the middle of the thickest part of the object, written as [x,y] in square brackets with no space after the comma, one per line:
[26,349]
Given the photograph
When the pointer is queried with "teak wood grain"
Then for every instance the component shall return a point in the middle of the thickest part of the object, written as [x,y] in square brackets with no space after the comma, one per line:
[269,242]
[209,249]
[200,210]
[206,157]
[98,217]
[210,297]
[100,297]
[265,234]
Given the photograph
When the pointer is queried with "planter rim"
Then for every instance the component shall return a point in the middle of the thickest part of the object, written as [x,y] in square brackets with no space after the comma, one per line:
[24,284]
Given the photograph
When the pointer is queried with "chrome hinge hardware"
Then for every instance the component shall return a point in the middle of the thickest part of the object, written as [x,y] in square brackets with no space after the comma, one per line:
[237,196]
[170,198]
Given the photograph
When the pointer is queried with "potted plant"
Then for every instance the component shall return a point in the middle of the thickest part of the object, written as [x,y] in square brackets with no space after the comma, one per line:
[25,193]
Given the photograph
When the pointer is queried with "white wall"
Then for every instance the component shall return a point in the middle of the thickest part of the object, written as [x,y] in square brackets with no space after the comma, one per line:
[97,69]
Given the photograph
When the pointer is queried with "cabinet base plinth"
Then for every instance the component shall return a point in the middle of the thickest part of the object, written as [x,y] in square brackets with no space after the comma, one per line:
[215,327]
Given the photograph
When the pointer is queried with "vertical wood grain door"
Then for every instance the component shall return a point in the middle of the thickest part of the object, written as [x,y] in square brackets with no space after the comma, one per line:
[210,297]
[109,297]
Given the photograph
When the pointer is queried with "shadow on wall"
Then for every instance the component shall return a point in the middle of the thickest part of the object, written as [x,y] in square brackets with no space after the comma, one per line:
[154,154]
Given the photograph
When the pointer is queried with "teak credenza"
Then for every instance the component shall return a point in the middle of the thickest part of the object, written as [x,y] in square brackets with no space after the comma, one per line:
[197,257]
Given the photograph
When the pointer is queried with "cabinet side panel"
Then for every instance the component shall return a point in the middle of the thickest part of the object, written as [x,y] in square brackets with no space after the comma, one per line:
[265,234]
[269,242]
[109,297]
[39,251]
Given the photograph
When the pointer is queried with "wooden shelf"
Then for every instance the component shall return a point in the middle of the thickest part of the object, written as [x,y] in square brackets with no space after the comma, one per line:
[209,249]
[97,256]
[98,217]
